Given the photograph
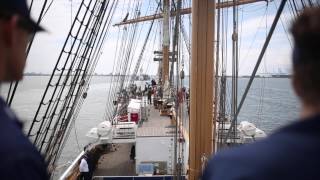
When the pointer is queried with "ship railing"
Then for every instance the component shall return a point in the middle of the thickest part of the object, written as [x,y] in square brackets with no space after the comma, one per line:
[71,168]
[124,132]
[153,177]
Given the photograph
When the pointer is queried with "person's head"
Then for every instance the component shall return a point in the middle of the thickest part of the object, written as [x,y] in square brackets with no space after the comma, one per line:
[16,27]
[306,57]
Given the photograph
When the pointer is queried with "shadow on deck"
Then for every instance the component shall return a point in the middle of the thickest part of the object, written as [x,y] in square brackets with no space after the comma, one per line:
[116,163]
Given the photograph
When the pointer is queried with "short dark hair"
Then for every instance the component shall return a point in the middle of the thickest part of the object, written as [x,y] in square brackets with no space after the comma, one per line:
[306,55]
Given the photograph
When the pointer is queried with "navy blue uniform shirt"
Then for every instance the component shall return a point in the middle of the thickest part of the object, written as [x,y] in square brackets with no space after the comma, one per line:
[19,159]
[292,153]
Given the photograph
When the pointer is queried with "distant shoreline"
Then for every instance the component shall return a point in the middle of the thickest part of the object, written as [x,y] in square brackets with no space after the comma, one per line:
[57,75]
[274,76]
[109,75]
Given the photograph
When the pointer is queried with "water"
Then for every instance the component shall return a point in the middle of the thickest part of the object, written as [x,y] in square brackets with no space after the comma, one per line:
[270,104]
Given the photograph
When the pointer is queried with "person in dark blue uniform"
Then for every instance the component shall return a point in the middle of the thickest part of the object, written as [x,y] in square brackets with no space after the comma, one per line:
[19,159]
[292,152]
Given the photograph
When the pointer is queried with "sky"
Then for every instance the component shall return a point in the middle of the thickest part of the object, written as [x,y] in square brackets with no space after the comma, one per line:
[254,23]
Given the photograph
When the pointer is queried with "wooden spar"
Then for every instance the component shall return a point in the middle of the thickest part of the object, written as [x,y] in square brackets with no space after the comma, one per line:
[166,42]
[202,82]
[186,11]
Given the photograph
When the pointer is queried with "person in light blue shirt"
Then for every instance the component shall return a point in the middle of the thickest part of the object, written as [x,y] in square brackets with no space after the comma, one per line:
[292,152]
[19,158]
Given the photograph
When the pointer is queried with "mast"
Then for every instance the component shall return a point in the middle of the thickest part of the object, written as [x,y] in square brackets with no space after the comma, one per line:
[202,82]
[235,57]
[175,58]
[165,42]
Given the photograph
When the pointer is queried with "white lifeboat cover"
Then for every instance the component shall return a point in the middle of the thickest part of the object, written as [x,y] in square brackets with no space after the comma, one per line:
[104,128]
[135,100]
[93,133]
[134,106]
[260,134]
[247,128]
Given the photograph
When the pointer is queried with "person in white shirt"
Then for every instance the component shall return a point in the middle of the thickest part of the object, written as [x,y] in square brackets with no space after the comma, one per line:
[84,169]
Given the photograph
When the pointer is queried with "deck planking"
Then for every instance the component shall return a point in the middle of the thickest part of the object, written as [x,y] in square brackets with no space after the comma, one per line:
[118,163]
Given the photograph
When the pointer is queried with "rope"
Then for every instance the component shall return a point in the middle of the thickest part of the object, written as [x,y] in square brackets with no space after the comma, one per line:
[135,71]
[78,94]
[62,72]
[263,82]
[86,54]
[46,11]
[10,94]
[256,67]
[254,39]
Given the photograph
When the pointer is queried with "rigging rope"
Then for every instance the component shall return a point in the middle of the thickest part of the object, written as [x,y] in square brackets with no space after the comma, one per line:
[233,124]
[150,57]
[135,71]
[94,37]
[69,80]
[253,40]
[263,80]
[96,57]
[10,94]
[122,61]
[46,11]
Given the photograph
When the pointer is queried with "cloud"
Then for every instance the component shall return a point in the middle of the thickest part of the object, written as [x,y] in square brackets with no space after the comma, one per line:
[254,29]
[47,46]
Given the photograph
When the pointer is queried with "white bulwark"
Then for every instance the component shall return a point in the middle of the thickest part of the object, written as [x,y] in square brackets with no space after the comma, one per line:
[154,147]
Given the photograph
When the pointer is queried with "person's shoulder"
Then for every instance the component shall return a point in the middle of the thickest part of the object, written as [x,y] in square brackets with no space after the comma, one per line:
[273,157]
[23,165]
[19,158]
[303,133]
[12,138]
[245,161]
[260,150]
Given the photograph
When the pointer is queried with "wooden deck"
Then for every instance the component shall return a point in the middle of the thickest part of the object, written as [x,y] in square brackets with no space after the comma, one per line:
[118,163]
[155,120]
